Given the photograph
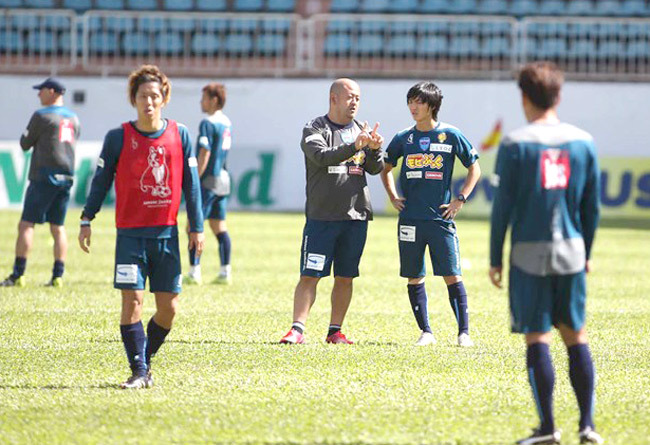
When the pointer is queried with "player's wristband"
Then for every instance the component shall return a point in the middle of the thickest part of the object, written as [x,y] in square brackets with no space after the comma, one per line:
[84,223]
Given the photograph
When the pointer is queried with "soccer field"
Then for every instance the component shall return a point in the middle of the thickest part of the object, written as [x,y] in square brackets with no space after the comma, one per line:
[222,378]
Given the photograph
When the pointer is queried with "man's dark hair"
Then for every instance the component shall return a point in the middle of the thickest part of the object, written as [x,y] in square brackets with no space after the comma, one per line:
[428,93]
[217,90]
[541,83]
[145,74]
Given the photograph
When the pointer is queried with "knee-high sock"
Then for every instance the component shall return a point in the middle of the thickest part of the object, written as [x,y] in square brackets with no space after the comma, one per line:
[542,380]
[224,248]
[20,263]
[58,269]
[155,338]
[134,343]
[582,375]
[195,260]
[418,299]
[458,302]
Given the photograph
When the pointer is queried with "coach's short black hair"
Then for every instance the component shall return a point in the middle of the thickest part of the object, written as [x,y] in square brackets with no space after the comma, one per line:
[428,93]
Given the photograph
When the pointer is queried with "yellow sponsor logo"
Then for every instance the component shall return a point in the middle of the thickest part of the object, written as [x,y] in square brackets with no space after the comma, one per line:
[359,158]
[442,137]
[423,160]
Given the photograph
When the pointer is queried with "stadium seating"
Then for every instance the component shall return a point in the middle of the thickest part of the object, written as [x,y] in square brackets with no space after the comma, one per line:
[11,3]
[178,5]
[211,5]
[403,6]
[206,44]
[402,46]
[39,4]
[169,43]
[137,43]
[434,6]
[337,44]
[142,5]
[521,8]
[117,5]
[281,5]
[374,6]
[248,5]
[77,5]
[270,44]
[493,7]
[432,46]
[344,6]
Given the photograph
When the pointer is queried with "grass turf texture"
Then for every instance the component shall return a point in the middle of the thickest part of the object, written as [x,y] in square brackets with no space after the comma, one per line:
[222,378]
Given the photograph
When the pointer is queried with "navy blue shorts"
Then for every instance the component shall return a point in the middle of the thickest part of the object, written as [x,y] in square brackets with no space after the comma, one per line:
[324,242]
[45,202]
[415,235]
[537,303]
[214,207]
[137,259]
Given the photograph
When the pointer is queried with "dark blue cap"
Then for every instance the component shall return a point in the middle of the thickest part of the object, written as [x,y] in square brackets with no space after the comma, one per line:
[52,83]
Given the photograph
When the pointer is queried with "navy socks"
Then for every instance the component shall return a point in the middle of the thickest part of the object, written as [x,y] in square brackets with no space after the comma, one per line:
[224,248]
[418,299]
[458,302]
[582,375]
[155,338]
[134,343]
[542,380]
[20,263]
[194,259]
[58,269]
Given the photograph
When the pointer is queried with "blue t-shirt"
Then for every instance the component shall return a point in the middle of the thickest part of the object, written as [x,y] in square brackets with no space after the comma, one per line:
[215,136]
[427,167]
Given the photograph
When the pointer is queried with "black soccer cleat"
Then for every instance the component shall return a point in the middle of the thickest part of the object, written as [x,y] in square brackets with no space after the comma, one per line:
[537,438]
[137,381]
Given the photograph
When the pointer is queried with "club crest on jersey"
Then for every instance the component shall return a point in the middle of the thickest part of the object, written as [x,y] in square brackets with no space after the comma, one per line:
[155,178]
[419,160]
[556,169]
[424,143]
[134,143]
[442,137]
[409,140]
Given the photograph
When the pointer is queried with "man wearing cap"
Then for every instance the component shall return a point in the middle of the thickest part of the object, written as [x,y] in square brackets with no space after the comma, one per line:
[53,132]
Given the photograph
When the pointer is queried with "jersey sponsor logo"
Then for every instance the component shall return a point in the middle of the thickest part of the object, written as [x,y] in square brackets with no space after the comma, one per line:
[433,175]
[424,143]
[473,151]
[126,273]
[315,261]
[155,178]
[355,170]
[556,169]
[227,140]
[315,137]
[100,162]
[445,148]
[414,175]
[409,140]
[442,137]
[337,169]
[419,160]
[66,131]
[192,162]
[358,158]
[407,233]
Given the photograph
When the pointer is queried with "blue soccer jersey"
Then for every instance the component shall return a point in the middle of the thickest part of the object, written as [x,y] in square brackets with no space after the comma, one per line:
[427,167]
[547,186]
[215,136]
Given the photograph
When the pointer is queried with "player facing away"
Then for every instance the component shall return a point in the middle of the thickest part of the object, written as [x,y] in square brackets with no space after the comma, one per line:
[153,162]
[547,188]
[53,132]
[213,145]
[338,152]
[426,209]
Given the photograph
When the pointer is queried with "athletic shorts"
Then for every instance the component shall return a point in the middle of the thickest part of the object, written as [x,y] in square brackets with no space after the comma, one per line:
[45,202]
[137,259]
[537,303]
[415,235]
[340,242]
[214,207]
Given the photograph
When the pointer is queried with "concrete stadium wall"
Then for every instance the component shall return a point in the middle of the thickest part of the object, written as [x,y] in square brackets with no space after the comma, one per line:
[268,114]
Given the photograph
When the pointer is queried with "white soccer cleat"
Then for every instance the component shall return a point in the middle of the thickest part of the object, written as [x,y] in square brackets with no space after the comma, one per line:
[464,341]
[588,435]
[425,339]
[537,438]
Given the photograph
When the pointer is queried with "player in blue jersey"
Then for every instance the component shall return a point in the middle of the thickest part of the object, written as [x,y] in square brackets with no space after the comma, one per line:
[547,189]
[52,132]
[152,162]
[427,208]
[213,145]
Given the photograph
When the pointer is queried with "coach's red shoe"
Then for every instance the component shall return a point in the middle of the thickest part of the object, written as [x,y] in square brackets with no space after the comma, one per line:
[338,338]
[293,337]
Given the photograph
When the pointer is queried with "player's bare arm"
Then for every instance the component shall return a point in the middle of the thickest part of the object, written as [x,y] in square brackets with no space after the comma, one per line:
[389,185]
[473,175]
[204,157]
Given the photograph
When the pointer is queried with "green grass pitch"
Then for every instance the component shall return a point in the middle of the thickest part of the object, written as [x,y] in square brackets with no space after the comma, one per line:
[222,378]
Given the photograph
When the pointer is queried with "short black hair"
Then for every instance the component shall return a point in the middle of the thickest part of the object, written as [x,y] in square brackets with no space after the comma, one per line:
[541,82]
[428,93]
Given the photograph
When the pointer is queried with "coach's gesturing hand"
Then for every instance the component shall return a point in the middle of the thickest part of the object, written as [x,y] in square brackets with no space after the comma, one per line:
[84,238]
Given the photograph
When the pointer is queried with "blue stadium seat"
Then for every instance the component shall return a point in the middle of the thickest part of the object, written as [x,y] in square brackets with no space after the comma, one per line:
[551,48]
[178,5]
[238,44]
[78,5]
[611,31]
[638,30]
[169,43]
[182,25]
[12,42]
[580,7]
[65,42]
[548,29]
[521,8]
[270,44]
[248,5]
[136,43]
[24,21]
[582,48]
[56,22]
[460,28]
[109,4]
[403,6]
[151,24]
[432,46]
[374,6]
[402,27]
[372,26]
[94,23]
[103,42]
[142,5]
[342,26]
[552,7]
[203,44]
[466,46]
[434,6]
[276,25]
[244,26]
[344,6]
[634,8]
[337,44]
[40,42]
[11,4]
[496,47]
[611,50]
[401,45]
[213,25]
[496,28]
[462,7]
[608,8]
[281,5]
[493,7]
[638,49]
[119,23]
[211,5]
[583,30]
[41,4]
[432,27]
[369,44]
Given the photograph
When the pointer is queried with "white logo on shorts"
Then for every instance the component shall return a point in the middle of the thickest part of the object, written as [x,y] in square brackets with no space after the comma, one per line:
[407,233]
[315,261]
[126,273]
